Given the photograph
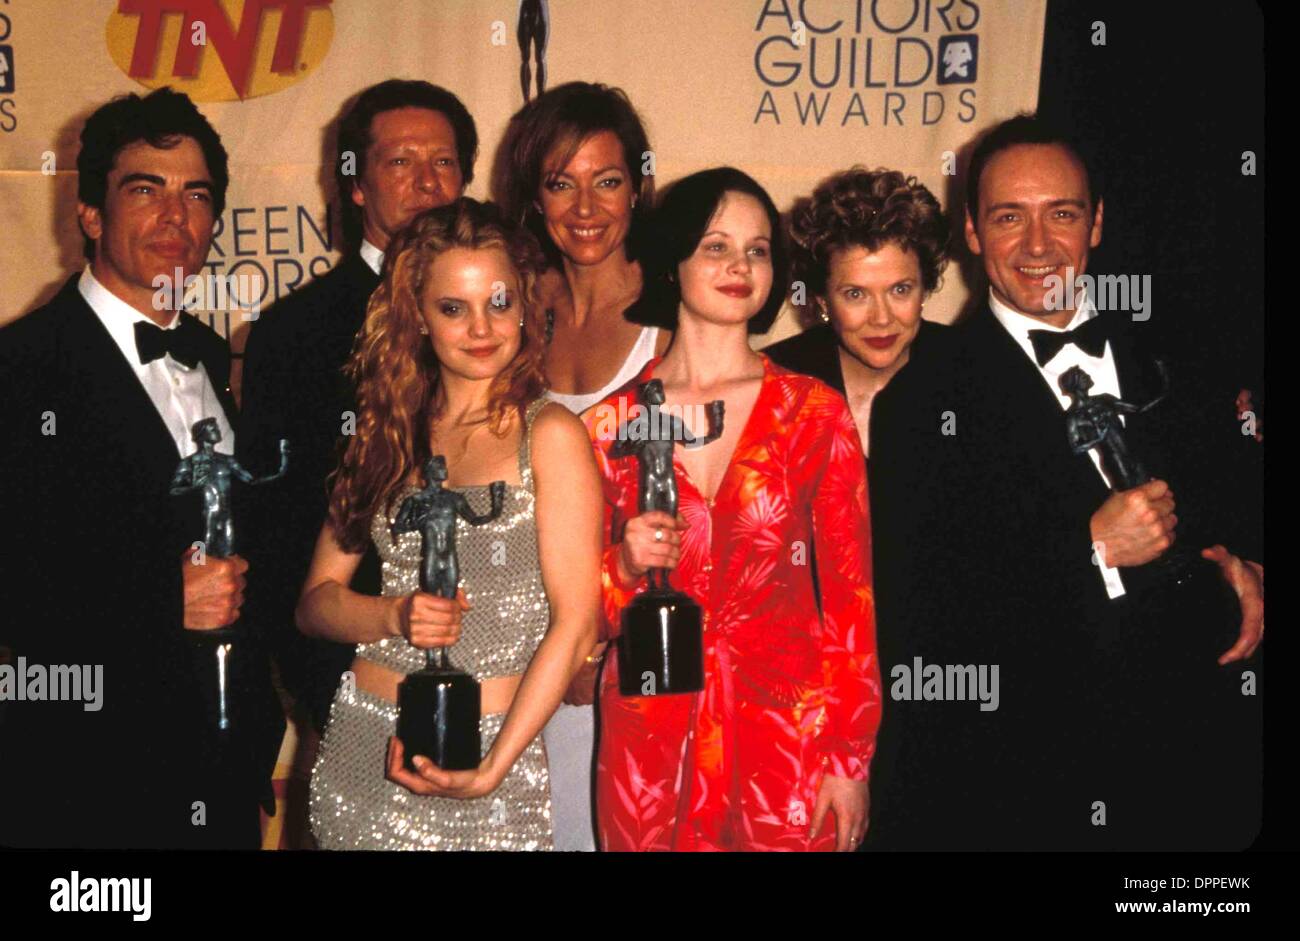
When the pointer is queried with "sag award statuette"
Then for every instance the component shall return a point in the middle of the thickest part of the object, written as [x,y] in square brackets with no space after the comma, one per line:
[438,706]
[661,645]
[210,471]
[1092,421]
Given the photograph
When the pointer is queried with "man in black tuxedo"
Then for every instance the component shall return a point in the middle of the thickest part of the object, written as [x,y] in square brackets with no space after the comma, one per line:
[403,147]
[100,389]
[1113,726]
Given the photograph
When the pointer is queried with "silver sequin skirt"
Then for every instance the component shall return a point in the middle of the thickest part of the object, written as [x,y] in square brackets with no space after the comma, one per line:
[354,807]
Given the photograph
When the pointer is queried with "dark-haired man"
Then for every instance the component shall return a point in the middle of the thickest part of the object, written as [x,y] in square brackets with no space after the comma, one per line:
[998,548]
[101,387]
[403,147]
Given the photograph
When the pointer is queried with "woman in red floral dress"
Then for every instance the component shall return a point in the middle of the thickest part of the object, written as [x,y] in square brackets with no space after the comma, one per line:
[772,540]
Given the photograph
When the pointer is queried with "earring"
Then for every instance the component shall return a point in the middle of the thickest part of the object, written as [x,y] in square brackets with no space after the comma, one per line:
[634,202]
[826,318]
[521,323]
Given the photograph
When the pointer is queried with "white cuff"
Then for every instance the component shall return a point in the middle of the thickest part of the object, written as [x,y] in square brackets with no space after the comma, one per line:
[1110,577]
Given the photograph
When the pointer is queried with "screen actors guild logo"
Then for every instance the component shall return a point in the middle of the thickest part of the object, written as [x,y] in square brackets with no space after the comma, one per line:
[8,105]
[294,35]
[6,70]
[960,58]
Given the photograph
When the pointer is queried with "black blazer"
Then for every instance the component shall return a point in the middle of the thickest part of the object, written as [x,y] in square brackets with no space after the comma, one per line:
[980,517]
[815,351]
[293,387]
[93,576]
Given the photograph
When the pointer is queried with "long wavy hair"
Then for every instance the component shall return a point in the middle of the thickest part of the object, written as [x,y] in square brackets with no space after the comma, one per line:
[396,372]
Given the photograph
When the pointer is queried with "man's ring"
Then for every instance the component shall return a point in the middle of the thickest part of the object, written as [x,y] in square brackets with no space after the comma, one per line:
[659,535]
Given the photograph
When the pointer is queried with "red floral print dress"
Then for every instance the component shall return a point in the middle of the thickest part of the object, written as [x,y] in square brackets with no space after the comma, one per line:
[780,563]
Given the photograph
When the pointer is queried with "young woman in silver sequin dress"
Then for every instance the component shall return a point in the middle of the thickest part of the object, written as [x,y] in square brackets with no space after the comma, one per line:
[449,362]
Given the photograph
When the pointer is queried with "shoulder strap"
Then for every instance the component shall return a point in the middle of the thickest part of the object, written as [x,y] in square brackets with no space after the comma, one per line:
[526,443]
[642,352]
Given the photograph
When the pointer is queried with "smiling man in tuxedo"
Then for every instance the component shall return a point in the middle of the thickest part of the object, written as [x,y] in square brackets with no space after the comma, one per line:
[1122,721]
[101,387]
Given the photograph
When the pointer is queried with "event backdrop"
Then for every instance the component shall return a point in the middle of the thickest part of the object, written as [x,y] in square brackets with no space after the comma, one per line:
[789,90]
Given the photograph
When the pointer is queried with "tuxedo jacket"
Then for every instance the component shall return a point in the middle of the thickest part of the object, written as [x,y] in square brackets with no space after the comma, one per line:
[293,388]
[93,576]
[983,556]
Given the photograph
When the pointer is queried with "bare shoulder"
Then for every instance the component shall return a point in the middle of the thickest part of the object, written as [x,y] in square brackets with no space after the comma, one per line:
[558,434]
[564,464]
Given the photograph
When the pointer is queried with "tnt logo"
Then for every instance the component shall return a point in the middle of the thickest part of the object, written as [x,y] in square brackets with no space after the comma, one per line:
[959,58]
[257,47]
[6,69]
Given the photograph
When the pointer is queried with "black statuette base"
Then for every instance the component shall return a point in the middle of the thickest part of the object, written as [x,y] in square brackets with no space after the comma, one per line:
[661,647]
[438,717]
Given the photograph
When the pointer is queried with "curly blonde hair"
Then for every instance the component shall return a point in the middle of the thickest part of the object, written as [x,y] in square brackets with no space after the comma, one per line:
[395,371]
[870,209]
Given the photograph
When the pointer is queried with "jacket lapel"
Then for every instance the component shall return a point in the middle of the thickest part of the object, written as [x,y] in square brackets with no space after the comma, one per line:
[1031,418]
[360,282]
[111,390]
[1028,398]
[1138,379]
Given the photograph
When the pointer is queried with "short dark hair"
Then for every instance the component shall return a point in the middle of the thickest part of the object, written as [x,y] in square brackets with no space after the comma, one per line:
[354,135]
[161,118]
[676,228]
[867,208]
[1027,128]
[567,116]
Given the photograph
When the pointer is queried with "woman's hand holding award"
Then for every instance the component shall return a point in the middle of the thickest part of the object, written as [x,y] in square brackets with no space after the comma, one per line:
[439,705]
[661,644]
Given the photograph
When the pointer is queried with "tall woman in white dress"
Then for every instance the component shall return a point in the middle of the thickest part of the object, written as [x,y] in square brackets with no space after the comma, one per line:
[577,177]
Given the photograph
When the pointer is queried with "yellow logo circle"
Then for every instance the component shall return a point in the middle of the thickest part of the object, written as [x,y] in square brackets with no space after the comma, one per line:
[220,50]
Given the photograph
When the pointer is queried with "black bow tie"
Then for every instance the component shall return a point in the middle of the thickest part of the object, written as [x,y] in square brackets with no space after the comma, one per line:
[1091,337]
[152,342]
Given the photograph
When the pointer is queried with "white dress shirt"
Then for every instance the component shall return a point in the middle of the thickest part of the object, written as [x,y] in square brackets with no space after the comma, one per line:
[182,395]
[1105,379]
[372,256]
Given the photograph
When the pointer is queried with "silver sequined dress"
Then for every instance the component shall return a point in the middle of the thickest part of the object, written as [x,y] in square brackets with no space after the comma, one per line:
[353,806]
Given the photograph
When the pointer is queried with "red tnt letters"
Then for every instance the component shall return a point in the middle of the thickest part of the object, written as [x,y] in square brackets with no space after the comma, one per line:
[235,48]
